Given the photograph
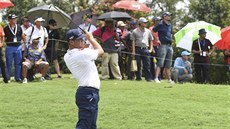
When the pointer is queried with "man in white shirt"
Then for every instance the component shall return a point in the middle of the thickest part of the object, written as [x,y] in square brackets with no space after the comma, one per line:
[38,30]
[87,26]
[80,62]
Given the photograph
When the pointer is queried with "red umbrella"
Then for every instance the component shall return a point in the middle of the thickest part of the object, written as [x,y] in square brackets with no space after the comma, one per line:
[5,3]
[131,5]
[224,43]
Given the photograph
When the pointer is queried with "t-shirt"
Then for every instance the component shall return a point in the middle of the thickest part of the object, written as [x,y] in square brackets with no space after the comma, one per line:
[53,36]
[81,64]
[42,32]
[34,54]
[164,32]
[141,38]
[205,45]
[107,36]
[90,27]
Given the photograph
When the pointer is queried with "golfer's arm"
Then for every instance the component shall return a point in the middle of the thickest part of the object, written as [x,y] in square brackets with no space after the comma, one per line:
[96,46]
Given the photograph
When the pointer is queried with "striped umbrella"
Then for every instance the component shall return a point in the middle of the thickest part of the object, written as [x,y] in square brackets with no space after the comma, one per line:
[186,36]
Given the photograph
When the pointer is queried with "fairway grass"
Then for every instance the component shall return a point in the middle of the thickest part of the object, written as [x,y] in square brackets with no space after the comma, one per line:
[123,105]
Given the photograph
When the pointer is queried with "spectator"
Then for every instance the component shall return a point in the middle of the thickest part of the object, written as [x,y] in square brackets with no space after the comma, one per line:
[182,71]
[165,50]
[156,43]
[2,63]
[106,35]
[142,47]
[132,26]
[51,50]
[87,26]
[25,25]
[80,62]
[13,38]
[121,46]
[34,57]
[202,49]
[227,58]
[39,30]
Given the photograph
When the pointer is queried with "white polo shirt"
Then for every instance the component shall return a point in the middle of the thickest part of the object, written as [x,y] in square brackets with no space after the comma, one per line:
[42,32]
[90,27]
[81,64]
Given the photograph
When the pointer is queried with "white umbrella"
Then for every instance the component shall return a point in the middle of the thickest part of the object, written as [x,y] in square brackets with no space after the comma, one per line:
[50,12]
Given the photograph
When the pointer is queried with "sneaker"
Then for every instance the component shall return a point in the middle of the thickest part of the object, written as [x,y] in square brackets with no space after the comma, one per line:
[24,80]
[171,81]
[157,81]
[43,79]
[59,76]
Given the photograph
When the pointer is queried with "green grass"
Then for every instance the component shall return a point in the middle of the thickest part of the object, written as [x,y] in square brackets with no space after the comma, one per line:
[123,105]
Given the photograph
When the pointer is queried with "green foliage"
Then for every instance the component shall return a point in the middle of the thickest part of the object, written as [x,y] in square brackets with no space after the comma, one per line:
[122,105]
[212,11]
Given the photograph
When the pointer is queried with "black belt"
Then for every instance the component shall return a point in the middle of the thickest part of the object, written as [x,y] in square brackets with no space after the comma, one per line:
[142,47]
[88,88]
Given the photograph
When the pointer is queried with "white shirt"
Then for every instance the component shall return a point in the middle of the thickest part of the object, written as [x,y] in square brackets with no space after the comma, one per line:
[90,27]
[81,64]
[42,32]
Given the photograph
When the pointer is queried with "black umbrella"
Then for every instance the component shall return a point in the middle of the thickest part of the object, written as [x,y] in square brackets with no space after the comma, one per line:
[116,15]
[77,18]
[50,12]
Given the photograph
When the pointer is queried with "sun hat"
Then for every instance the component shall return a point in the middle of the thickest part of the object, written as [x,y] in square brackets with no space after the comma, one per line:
[202,31]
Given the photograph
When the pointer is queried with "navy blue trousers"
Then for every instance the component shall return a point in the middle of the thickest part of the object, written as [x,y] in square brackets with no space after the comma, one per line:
[87,99]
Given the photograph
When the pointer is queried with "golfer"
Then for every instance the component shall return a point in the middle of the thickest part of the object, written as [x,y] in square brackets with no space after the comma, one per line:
[80,62]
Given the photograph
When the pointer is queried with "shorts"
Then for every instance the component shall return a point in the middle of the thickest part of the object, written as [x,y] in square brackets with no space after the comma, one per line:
[30,64]
[164,56]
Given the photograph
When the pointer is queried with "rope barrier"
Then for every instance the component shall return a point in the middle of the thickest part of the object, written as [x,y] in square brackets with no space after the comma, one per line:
[129,53]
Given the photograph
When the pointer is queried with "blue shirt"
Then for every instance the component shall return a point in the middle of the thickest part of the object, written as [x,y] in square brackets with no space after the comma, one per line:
[181,64]
[164,32]
[34,54]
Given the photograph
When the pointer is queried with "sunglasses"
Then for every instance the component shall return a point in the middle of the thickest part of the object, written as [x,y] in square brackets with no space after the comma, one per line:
[55,24]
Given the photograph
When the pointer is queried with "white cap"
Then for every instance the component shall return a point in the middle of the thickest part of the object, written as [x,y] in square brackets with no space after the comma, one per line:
[40,19]
[142,19]
[35,37]
[121,23]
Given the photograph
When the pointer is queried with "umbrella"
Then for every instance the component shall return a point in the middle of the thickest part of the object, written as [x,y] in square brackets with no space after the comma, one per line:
[116,15]
[5,3]
[186,36]
[50,12]
[78,15]
[224,43]
[132,5]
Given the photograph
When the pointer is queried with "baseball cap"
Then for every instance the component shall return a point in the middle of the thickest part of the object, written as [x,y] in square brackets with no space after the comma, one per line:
[167,14]
[40,19]
[74,34]
[121,23]
[133,22]
[157,18]
[12,16]
[142,19]
[185,53]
